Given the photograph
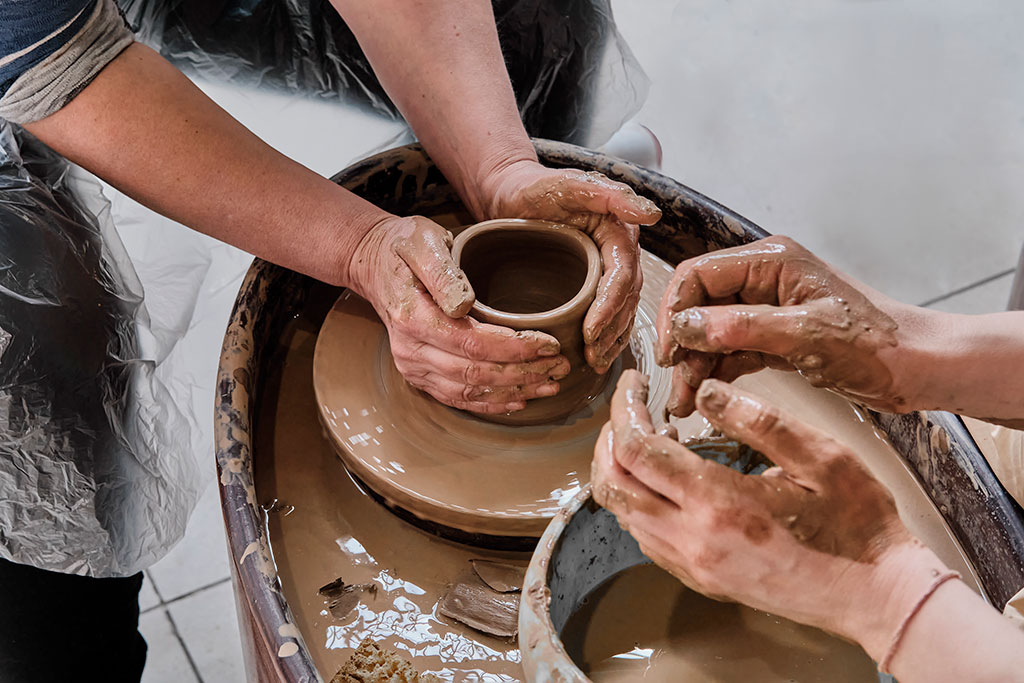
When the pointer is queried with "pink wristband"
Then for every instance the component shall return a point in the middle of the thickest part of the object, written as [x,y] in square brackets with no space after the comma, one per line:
[898,636]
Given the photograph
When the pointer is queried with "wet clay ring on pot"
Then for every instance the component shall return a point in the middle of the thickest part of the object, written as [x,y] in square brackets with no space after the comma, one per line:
[536,275]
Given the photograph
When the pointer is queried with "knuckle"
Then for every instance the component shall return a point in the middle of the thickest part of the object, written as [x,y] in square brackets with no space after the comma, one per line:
[472,374]
[766,421]
[473,392]
[472,346]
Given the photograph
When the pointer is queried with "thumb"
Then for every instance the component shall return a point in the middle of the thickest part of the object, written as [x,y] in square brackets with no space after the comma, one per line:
[788,442]
[428,254]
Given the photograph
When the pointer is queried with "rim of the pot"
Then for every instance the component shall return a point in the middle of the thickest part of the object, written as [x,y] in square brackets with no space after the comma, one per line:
[529,320]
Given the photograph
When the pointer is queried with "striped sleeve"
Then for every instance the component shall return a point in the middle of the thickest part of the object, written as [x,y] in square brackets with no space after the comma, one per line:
[54,50]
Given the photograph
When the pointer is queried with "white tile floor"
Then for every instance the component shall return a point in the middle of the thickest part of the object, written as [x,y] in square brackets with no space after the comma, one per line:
[885,136]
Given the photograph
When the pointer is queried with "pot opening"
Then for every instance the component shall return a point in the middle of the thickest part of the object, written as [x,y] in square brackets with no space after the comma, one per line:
[524,271]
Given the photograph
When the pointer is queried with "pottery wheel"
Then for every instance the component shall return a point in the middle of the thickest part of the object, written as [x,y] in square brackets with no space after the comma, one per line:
[445,465]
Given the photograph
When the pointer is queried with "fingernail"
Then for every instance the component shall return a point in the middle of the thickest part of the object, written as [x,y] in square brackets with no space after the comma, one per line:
[689,326]
[547,389]
[549,349]
[513,407]
[711,397]
[561,370]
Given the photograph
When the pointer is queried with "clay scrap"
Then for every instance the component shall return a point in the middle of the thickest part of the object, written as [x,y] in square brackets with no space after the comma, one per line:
[341,598]
[479,606]
[504,578]
[371,663]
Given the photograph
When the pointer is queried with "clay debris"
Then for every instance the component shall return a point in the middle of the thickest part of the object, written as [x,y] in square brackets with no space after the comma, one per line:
[341,598]
[504,578]
[371,663]
[479,606]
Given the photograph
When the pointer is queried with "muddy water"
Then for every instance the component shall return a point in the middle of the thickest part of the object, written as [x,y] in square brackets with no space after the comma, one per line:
[680,635]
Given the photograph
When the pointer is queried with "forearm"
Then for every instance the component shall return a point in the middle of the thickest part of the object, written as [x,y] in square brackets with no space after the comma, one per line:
[957,637]
[967,364]
[147,130]
[441,63]
[953,635]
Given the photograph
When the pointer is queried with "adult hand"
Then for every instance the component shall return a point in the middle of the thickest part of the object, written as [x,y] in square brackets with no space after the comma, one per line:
[403,266]
[774,304]
[610,213]
[816,539]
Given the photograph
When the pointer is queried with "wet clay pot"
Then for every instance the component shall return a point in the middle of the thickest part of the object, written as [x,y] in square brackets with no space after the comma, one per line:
[404,181]
[536,275]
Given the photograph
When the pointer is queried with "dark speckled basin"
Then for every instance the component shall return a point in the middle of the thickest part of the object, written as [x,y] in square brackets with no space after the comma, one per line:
[989,526]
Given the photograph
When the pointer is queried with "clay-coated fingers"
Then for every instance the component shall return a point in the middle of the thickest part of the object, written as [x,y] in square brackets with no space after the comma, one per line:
[618,491]
[750,271]
[458,394]
[669,431]
[475,340]
[779,331]
[620,256]
[488,373]
[427,252]
[794,445]
[593,192]
[606,348]
[449,396]
[660,463]
[692,369]
[734,365]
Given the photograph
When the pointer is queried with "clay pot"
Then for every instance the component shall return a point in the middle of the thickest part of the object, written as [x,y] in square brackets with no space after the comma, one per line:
[536,275]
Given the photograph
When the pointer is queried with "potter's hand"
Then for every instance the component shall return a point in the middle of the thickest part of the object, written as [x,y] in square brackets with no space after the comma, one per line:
[403,266]
[607,211]
[816,539]
[772,303]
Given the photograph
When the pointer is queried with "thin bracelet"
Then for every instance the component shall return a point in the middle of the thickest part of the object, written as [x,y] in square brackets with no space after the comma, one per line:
[898,636]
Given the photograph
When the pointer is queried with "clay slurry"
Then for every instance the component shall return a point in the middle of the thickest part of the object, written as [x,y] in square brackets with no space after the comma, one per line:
[523,272]
[644,625]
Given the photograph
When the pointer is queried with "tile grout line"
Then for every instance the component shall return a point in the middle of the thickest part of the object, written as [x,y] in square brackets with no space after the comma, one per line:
[174,626]
[184,647]
[200,589]
[966,288]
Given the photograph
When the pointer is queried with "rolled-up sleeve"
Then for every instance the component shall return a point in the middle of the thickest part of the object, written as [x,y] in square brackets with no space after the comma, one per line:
[52,49]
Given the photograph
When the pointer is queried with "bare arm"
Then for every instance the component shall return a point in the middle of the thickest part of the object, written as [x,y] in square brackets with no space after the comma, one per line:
[147,130]
[442,65]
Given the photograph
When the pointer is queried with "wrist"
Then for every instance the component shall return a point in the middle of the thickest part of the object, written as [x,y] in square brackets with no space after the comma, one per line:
[498,177]
[927,342]
[359,257]
[884,597]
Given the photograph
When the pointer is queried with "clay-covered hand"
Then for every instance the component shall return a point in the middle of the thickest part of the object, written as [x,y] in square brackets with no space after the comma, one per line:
[816,539]
[404,267]
[774,304]
[608,211]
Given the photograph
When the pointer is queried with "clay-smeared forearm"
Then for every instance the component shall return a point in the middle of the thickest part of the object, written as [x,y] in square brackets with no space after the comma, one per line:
[147,130]
[441,64]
